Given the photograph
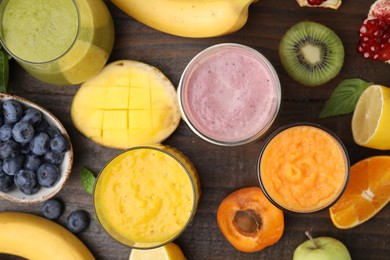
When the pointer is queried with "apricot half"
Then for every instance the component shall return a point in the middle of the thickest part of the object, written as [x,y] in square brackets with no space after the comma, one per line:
[249,221]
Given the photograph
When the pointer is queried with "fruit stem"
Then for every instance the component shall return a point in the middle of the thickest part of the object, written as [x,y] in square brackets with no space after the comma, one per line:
[307,233]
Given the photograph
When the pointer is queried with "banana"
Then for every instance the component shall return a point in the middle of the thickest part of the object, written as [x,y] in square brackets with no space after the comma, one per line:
[34,237]
[189,18]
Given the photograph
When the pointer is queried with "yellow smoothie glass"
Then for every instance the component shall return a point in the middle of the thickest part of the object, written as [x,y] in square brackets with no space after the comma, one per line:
[146,196]
[60,42]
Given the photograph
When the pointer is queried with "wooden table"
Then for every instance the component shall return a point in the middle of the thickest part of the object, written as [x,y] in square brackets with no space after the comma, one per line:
[221,169]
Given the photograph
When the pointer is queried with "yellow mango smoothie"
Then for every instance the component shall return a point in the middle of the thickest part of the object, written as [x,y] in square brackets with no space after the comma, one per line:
[146,196]
[60,42]
[303,168]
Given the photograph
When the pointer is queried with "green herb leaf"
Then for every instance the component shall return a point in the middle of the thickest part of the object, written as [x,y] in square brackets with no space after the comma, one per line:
[344,98]
[4,71]
[87,180]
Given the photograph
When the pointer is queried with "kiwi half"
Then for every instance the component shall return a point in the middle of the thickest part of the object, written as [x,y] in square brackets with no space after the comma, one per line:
[311,53]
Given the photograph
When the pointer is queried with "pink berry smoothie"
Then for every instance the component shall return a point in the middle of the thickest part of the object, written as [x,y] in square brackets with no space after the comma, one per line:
[229,94]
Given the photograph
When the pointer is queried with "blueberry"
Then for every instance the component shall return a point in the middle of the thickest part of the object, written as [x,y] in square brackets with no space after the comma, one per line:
[25,179]
[25,148]
[30,190]
[40,144]
[6,182]
[48,175]
[52,131]
[6,132]
[32,115]
[52,209]
[78,221]
[59,143]
[42,126]
[9,149]
[12,110]
[32,162]
[12,165]
[54,157]
[23,132]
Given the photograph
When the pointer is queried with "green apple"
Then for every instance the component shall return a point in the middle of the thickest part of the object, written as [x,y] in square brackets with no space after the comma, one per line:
[321,248]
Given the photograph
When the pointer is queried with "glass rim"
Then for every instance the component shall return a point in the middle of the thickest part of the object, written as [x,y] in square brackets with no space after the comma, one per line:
[159,148]
[260,132]
[337,139]
[2,42]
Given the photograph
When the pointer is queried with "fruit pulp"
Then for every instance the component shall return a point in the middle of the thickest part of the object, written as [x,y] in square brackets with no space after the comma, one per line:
[367,192]
[229,94]
[303,169]
[146,196]
[58,42]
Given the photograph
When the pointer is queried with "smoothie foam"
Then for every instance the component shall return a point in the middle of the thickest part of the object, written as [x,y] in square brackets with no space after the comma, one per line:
[230,93]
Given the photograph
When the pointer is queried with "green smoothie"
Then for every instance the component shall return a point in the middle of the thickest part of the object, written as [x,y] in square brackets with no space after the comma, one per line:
[60,42]
[39,30]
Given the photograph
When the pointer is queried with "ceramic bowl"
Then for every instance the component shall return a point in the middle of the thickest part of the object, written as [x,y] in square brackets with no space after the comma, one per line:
[15,195]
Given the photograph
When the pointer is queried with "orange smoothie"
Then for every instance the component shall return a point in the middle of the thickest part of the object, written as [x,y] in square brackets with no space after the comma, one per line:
[303,169]
[146,196]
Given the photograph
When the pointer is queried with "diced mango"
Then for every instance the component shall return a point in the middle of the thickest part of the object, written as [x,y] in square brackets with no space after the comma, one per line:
[115,120]
[128,103]
[139,98]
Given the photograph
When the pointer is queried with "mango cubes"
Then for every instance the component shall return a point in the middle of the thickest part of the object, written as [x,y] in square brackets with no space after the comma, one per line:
[128,103]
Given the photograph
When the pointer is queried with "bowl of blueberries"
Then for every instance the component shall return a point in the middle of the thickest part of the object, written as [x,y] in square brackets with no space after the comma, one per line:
[36,154]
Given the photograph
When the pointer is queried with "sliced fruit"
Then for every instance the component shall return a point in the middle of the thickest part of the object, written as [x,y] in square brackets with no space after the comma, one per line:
[333,4]
[128,103]
[170,251]
[311,53]
[374,33]
[371,118]
[367,192]
[249,221]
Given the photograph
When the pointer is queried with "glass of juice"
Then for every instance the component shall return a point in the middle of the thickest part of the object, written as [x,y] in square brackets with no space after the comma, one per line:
[303,168]
[60,42]
[146,196]
[229,94]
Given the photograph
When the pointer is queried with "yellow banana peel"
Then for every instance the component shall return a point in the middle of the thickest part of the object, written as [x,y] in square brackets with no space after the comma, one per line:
[33,237]
[189,18]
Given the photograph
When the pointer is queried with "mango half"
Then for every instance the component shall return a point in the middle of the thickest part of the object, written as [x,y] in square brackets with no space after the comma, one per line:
[128,103]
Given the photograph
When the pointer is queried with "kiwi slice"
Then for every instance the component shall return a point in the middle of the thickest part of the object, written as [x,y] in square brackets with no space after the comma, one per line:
[311,53]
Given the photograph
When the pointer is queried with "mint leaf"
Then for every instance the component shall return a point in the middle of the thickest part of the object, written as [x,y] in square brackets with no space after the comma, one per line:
[87,180]
[4,71]
[344,98]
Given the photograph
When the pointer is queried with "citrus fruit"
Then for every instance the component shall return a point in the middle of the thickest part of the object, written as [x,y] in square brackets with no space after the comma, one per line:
[367,192]
[169,251]
[371,118]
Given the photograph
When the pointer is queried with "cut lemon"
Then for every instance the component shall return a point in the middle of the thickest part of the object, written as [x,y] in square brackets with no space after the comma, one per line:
[371,118]
[170,251]
[367,192]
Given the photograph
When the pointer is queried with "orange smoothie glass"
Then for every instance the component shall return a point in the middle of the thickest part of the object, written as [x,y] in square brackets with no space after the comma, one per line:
[146,196]
[59,42]
[303,168]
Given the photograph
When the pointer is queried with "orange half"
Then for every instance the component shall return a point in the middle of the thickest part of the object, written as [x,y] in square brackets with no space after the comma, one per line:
[367,192]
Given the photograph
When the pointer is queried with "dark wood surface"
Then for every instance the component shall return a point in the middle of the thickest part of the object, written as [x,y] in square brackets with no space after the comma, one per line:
[221,169]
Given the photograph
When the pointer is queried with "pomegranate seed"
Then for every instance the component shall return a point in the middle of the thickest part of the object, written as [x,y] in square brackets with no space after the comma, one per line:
[315,2]
[375,38]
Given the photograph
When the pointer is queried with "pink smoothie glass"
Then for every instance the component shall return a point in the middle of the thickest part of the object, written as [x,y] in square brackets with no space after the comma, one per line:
[229,94]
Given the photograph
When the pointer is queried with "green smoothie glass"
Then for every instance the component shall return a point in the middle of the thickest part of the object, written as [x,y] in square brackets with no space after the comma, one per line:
[60,42]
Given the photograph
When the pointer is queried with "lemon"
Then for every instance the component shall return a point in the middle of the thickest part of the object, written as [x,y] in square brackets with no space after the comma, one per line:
[167,252]
[371,118]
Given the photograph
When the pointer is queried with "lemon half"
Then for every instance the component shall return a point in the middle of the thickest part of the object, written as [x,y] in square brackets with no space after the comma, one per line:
[371,118]
[170,251]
